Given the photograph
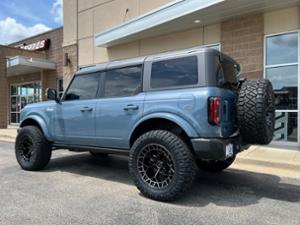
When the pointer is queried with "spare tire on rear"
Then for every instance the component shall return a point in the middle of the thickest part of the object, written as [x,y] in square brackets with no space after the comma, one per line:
[256,111]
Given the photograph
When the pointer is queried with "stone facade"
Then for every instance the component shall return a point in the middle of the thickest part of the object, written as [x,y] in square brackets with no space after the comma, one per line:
[243,39]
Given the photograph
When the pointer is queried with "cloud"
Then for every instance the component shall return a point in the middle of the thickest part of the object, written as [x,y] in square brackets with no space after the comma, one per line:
[56,11]
[11,30]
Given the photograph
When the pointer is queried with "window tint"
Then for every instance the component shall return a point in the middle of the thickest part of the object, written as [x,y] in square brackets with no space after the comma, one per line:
[123,82]
[83,87]
[174,72]
[226,72]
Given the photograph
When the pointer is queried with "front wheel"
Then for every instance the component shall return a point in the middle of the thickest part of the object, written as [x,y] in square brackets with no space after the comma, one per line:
[161,165]
[33,151]
[215,165]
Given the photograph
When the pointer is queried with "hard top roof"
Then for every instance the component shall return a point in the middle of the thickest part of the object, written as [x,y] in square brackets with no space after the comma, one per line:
[141,59]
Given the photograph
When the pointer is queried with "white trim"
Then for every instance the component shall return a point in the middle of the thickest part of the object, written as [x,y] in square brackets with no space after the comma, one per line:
[281,33]
[287,110]
[281,65]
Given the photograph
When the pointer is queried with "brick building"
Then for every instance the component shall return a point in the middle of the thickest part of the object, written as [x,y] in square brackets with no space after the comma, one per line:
[27,68]
[262,35]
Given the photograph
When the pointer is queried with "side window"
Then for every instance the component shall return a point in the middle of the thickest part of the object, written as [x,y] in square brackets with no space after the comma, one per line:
[174,72]
[123,82]
[83,87]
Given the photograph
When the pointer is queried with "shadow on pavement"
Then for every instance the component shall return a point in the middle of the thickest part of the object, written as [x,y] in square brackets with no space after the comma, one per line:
[231,188]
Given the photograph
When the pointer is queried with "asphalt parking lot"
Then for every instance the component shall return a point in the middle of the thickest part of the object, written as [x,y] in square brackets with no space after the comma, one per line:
[77,188]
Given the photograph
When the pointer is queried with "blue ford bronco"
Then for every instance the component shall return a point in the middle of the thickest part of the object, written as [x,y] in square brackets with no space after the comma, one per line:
[172,113]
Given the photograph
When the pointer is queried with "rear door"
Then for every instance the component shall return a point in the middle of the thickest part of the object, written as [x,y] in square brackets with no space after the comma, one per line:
[75,115]
[120,105]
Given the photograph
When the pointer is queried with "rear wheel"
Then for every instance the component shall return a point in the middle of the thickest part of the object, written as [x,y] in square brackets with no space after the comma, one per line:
[33,151]
[215,165]
[161,165]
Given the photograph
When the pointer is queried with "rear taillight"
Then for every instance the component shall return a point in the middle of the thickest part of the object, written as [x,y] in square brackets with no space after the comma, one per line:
[214,112]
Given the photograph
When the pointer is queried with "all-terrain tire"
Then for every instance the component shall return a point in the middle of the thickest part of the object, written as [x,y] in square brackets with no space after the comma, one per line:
[215,165]
[256,111]
[32,150]
[185,167]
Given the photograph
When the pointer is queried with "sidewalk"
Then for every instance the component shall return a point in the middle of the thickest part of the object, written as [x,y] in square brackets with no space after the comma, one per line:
[270,160]
[262,159]
[8,134]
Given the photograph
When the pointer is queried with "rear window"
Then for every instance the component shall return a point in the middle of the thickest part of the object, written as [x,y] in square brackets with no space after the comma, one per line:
[174,72]
[123,82]
[226,72]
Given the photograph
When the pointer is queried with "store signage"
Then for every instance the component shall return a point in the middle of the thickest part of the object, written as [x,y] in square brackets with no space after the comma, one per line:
[36,46]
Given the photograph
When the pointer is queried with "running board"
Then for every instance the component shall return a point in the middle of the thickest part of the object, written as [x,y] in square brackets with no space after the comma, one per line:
[82,148]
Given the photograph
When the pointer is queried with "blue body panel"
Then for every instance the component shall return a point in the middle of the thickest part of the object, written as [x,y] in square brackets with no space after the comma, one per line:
[109,122]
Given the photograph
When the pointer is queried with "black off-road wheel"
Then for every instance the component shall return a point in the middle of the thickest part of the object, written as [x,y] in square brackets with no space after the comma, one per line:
[215,166]
[33,151]
[256,111]
[161,165]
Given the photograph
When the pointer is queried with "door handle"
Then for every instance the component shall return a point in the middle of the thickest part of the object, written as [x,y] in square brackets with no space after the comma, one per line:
[131,107]
[86,109]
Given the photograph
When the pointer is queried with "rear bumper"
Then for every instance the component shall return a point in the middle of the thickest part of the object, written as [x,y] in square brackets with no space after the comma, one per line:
[217,149]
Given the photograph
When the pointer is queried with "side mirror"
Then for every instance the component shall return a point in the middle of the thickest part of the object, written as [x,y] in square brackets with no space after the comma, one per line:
[52,94]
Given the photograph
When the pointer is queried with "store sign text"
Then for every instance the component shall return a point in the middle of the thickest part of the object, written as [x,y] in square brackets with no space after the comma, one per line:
[37,46]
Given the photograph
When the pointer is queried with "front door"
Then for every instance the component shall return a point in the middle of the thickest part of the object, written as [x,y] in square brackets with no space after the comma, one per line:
[75,115]
[22,95]
[120,106]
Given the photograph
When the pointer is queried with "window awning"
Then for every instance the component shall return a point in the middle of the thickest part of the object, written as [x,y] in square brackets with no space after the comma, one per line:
[181,15]
[23,65]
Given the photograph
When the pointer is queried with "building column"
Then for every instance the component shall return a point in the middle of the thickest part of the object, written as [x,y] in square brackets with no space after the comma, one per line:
[43,85]
[3,93]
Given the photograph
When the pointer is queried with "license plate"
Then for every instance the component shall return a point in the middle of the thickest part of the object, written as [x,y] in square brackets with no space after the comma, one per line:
[229,150]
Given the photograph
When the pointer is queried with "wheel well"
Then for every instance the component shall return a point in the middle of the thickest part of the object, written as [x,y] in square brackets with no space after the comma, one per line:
[31,122]
[159,124]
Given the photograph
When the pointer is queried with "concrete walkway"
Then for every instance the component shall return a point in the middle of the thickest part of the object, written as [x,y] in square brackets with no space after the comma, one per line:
[270,160]
[263,159]
[8,134]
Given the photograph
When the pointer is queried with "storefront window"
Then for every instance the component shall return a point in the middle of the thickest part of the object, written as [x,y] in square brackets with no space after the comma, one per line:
[22,95]
[281,68]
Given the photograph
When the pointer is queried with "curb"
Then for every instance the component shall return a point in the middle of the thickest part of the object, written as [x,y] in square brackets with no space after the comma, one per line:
[7,139]
[271,164]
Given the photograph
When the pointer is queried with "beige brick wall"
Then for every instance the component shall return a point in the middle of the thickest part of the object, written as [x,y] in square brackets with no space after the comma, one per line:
[55,51]
[243,38]
[5,82]
[99,15]
[55,54]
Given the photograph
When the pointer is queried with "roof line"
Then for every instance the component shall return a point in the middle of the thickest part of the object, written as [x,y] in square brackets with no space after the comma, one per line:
[156,17]
[48,31]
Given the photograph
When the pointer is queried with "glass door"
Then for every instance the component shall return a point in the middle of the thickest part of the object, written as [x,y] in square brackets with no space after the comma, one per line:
[281,68]
[20,96]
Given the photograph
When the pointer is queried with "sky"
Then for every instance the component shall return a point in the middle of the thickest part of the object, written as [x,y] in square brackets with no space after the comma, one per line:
[24,18]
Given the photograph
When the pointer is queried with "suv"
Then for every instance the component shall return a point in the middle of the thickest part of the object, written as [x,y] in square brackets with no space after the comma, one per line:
[172,113]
